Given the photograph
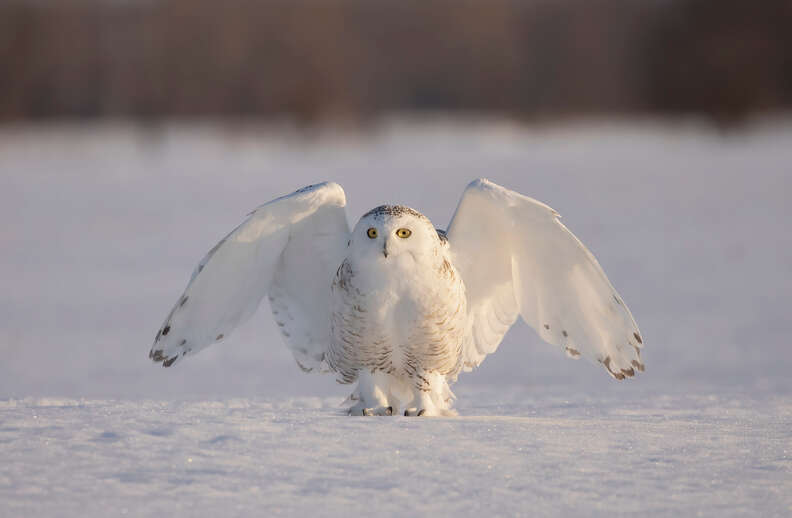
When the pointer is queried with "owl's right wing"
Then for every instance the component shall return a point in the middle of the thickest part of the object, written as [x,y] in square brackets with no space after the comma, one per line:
[287,249]
[517,258]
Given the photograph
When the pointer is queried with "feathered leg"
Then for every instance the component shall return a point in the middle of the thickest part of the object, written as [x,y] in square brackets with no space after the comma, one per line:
[432,397]
[371,395]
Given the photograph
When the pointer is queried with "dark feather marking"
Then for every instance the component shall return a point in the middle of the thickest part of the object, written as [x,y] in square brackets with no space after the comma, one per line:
[305,189]
[638,337]
[447,270]
[394,210]
[303,367]
[607,362]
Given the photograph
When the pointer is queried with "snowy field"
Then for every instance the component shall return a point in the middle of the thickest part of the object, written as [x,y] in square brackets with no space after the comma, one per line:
[528,455]
[102,226]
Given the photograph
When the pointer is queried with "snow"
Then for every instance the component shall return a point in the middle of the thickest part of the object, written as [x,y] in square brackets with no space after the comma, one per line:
[541,455]
[103,225]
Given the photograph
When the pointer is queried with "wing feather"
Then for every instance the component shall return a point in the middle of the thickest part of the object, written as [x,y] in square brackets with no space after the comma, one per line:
[307,228]
[517,258]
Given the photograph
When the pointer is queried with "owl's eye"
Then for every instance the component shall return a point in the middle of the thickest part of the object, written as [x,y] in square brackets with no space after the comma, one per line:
[404,233]
[372,233]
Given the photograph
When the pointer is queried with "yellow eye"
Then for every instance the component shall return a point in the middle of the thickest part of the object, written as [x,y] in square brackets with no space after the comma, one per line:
[404,233]
[372,233]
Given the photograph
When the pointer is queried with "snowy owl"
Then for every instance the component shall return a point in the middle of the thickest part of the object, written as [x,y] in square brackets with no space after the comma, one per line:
[398,306]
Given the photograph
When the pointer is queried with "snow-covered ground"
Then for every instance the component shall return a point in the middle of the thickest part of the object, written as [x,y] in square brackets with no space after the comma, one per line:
[102,226]
[528,455]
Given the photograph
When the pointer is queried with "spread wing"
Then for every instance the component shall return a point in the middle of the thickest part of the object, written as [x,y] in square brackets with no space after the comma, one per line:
[287,249]
[517,258]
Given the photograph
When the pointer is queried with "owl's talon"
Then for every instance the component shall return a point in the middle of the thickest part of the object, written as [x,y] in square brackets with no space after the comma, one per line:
[360,410]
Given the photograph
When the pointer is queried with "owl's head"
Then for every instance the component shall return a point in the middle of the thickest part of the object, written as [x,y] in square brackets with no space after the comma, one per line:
[394,233]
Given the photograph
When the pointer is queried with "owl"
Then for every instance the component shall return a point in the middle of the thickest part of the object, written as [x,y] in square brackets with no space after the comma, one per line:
[396,306]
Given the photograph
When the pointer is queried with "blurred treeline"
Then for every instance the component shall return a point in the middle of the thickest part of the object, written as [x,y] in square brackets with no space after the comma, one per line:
[355,59]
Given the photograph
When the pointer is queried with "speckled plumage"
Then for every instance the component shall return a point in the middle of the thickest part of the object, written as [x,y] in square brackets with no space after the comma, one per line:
[397,306]
[402,315]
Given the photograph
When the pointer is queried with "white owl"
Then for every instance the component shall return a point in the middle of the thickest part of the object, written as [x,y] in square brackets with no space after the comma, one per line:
[398,306]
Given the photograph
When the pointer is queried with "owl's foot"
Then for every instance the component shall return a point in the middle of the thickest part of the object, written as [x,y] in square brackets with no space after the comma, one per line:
[379,411]
[423,404]
[437,412]
[370,396]
[361,410]
[428,412]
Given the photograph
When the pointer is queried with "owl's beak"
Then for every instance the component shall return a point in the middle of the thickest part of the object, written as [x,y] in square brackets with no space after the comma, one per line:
[385,247]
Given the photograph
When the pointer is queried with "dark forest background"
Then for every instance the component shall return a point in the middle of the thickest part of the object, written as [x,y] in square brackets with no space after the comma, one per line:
[312,60]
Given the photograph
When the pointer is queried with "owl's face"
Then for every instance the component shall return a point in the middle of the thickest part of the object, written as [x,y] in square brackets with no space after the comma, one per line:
[394,234]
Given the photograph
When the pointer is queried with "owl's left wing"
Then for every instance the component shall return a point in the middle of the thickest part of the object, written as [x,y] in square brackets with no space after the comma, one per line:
[517,258]
[287,249]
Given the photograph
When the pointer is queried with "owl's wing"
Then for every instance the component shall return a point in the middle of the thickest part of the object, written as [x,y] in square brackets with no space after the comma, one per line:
[287,249]
[517,258]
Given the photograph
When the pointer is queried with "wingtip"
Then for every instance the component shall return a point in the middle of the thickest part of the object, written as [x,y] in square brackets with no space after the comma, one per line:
[622,374]
[156,355]
[159,356]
